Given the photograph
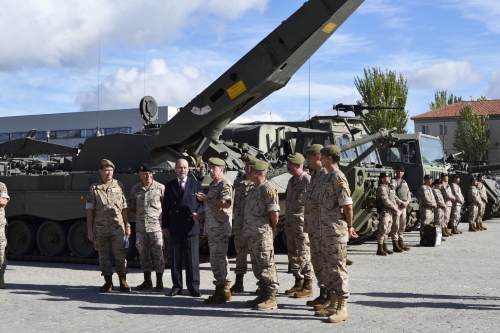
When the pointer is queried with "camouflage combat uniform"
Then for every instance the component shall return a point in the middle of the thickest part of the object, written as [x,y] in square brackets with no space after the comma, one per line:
[241,189]
[448,197]
[484,198]
[402,191]
[474,200]
[456,208]
[147,203]
[3,223]
[426,202]
[218,229]
[261,200]
[312,225]
[299,254]
[441,209]
[387,202]
[108,201]
[335,193]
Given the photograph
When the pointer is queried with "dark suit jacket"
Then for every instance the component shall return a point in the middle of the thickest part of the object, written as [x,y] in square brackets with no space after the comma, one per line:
[177,207]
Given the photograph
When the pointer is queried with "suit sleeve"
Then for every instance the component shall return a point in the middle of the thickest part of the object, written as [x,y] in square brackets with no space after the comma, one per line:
[165,207]
[201,204]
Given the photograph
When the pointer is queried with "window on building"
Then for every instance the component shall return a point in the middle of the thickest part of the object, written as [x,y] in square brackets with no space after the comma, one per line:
[41,135]
[425,129]
[87,133]
[123,130]
[443,130]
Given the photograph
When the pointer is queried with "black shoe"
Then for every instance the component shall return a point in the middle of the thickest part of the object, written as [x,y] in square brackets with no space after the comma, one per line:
[195,293]
[174,292]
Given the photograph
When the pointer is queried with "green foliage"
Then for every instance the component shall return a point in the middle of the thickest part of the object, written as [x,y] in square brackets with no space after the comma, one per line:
[482,98]
[441,100]
[388,89]
[472,135]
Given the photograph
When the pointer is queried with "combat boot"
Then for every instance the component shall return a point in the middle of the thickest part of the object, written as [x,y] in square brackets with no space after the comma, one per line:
[307,289]
[108,285]
[380,250]
[123,283]
[269,302]
[443,233]
[447,231]
[472,227]
[323,292]
[257,291]
[218,297]
[227,291]
[348,262]
[159,282]
[455,231]
[147,284]
[386,250]
[296,287]
[481,226]
[2,282]
[395,247]
[329,310]
[341,314]
[402,245]
[257,300]
[238,284]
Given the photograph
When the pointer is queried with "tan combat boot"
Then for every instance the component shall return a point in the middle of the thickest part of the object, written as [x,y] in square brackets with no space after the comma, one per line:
[386,250]
[307,289]
[402,245]
[472,227]
[159,282]
[238,284]
[380,250]
[326,303]
[329,310]
[257,300]
[218,297]
[147,284]
[123,283]
[341,314]
[481,226]
[269,302]
[323,292]
[455,231]
[456,227]
[108,286]
[395,247]
[447,231]
[348,262]
[2,282]
[227,291]
[443,233]
[296,287]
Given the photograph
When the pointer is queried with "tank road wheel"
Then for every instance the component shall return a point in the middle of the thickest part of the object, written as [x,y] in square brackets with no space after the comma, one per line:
[51,238]
[20,237]
[78,241]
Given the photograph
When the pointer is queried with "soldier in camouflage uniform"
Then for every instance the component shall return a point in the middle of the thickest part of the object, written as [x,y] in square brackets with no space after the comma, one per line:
[427,204]
[145,202]
[219,214]
[299,253]
[402,191]
[449,198]
[4,199]
[456,208]
[107,221]
[336,214]
[387,203]
[242,186]
[484,199]
[261,217]
[440,210]
[474,204]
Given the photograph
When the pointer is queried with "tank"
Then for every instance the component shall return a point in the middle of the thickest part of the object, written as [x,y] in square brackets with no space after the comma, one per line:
[46,214]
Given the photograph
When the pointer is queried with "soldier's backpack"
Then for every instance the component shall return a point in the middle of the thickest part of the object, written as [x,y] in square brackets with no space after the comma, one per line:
[432,235]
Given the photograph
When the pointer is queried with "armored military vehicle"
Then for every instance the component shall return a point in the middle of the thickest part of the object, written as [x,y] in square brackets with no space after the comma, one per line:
[47,208]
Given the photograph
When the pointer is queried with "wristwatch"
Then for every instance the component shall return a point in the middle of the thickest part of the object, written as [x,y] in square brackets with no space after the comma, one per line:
[349,227]
[127,225]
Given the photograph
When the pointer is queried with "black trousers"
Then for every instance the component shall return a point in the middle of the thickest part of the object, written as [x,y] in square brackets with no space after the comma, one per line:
[185,250]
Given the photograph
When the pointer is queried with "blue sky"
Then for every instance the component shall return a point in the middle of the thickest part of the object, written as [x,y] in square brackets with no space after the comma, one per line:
[50,53]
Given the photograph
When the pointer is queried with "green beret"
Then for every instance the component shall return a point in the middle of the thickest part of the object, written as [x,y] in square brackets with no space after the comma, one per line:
[106,163]
[330,150]
[258,165]
[314,149]
[296,158]
[216,161]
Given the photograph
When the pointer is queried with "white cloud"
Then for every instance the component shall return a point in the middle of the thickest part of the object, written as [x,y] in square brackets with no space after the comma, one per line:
[259,113]
[493,91]
[443,75]
[391,12]
[59,32]
[483,11]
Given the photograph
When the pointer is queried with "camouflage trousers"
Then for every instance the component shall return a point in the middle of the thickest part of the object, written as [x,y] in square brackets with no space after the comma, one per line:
[480,213]
[241,245]
[473,212]
[334,248]
[447,216]
[3,245]
[398,224]
[426,217]
[439,216]
[261,249]
[318,261]
[101,244]
[218,244]
[299,252]
[384,226]
[147,242]
[456,209]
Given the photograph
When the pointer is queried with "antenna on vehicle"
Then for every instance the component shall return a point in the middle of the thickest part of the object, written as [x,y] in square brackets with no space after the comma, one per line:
[144,74]
[98,79]
[309,88]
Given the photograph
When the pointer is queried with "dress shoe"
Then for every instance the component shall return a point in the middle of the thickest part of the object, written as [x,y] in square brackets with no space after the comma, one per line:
[195,293]
[174,292]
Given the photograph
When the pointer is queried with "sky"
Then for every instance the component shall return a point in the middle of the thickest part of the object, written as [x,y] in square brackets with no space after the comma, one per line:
[56,53]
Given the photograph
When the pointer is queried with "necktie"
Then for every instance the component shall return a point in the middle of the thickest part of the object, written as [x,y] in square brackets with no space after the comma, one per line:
[182,186]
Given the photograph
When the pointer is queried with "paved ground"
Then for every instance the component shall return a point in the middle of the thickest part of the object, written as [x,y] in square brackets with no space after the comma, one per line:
[452,288]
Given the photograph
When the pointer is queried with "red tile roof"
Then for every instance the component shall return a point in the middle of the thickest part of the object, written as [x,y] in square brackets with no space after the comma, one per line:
[490,107]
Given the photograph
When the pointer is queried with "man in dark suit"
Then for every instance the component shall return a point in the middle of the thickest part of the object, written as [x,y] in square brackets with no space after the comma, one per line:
[181,214]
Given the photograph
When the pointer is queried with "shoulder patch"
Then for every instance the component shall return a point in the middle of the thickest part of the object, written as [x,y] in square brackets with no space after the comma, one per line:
[227,186]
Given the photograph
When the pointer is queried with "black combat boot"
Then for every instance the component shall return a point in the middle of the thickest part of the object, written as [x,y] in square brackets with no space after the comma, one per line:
[108,286]
[147,284]
[159,282]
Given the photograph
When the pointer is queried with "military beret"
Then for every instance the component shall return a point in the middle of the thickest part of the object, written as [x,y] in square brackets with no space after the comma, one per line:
[105,163]
[258,165]
[314,149]
[216,161]
[330,150]
[443,174]
[438,181]
[383,175]
[427,177]
[296,158]
[400,167]
[146,167]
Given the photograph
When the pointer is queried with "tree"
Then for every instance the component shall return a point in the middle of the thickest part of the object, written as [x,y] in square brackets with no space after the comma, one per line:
[472,135]
[383,89]
[482,98]
[441,100]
